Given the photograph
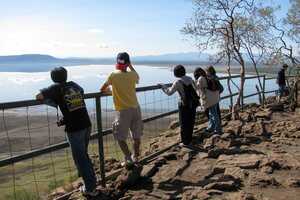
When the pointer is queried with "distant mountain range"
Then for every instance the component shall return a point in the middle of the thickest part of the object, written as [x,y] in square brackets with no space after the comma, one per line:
[40,62]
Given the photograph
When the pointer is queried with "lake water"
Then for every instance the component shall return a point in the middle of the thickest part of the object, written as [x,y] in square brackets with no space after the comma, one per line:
[15,86]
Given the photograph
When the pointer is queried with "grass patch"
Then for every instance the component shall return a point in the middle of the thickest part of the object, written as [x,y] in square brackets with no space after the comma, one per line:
[47,172]
[23,194]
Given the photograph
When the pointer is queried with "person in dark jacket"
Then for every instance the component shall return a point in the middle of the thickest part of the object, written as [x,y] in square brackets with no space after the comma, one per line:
[281,81]
[189,100]
[68,96]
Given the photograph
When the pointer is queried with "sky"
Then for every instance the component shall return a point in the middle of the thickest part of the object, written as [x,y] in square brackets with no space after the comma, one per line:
[95,28]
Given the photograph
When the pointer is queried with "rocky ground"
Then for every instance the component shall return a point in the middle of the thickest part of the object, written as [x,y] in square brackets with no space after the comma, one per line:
[257,158]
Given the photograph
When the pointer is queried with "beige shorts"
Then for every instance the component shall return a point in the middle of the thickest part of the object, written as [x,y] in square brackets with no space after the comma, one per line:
[129,119]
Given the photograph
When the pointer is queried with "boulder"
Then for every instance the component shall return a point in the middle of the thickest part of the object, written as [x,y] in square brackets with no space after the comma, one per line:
[245,196]
[191,193]
[216,141]
[243,161]
[262,180]
[276,107]
[170,156]
[173,125]
[128,177]
[222,185]
[196,193]
[234,127]
[235,172]
[246,116]
[149,170]
[265,114]
[216,152]
[293,182]
[280,161]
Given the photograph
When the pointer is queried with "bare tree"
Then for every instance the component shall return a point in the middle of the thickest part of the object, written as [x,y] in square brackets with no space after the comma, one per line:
[293,20]
[285,35]
[234,29]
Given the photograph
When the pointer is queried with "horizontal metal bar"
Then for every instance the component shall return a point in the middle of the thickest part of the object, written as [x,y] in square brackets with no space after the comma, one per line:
[34,153]
[267,92]
[160,116]
[251,95]
[228,96]
[19,104]
[270,78]
[62,145]
[227,77]
[253,77]
[27,103]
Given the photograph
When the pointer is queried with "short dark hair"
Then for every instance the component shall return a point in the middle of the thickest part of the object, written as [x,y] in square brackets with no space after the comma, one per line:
[59,75]
[123,56]
[199,72]
[179,71]
[285,66]
[211,70]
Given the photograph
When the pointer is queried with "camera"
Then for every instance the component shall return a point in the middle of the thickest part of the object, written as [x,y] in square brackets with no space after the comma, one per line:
[60,122]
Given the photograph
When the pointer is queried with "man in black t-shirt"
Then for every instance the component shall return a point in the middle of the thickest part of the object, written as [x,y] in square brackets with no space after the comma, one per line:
[68,96]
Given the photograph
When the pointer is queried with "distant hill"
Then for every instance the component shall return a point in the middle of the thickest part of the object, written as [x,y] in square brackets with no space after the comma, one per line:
[40,62]
[28,58]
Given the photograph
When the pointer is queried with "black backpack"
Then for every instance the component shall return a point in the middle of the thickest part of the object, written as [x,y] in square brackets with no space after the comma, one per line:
[190,97]
[214,84]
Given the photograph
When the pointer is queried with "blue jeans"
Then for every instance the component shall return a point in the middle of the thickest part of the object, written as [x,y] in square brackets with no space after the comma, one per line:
[79,141]
[282,89]
[214,121]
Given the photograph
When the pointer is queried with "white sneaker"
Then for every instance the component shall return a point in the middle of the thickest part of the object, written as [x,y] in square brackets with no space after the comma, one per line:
[127,161]
[134,159]
[94,193]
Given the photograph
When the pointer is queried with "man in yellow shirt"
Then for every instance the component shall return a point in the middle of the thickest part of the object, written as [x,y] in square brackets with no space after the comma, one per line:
[123,83]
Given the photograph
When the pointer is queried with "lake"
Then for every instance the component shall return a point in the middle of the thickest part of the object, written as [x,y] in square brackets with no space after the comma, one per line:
[16,86]
[40,121]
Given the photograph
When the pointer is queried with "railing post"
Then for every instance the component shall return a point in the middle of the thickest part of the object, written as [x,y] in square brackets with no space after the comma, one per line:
[100,140]
[264,90]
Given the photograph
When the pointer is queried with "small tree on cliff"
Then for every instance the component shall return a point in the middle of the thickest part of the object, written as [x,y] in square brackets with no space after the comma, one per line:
[285,35]
[293,21]
[231,28]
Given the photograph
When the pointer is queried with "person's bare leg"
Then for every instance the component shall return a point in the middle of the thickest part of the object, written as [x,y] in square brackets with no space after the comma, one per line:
[136,148]
[124,147]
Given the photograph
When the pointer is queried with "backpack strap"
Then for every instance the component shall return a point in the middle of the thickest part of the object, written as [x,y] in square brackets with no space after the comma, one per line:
[61,96]
[180,92]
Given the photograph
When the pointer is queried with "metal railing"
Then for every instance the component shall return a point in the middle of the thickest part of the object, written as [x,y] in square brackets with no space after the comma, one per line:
[15,161]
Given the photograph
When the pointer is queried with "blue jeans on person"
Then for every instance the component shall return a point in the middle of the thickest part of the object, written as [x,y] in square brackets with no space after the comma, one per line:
[214,121]
[79,141]
[282,89]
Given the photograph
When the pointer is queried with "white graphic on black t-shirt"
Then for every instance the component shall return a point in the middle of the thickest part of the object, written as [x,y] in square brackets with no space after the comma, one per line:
[74,99]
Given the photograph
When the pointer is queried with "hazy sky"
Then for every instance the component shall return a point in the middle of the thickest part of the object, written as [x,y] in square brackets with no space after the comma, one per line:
[94,28]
